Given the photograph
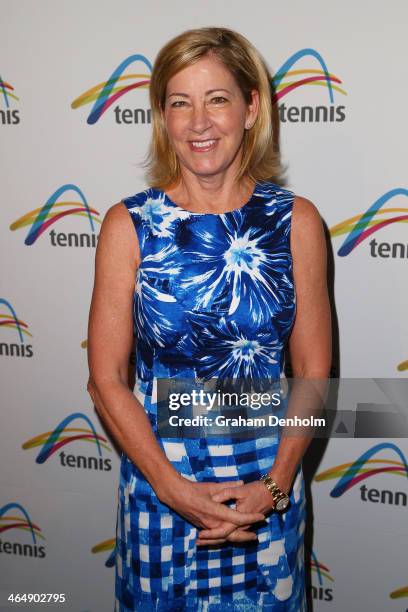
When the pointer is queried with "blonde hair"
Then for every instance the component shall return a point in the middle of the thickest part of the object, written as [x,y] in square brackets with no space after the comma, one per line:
[260,158]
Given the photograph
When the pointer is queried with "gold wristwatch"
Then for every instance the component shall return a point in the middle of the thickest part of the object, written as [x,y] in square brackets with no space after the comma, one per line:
[280,499]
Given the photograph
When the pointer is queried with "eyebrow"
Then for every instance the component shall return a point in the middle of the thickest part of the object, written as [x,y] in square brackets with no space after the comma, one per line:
[210,91]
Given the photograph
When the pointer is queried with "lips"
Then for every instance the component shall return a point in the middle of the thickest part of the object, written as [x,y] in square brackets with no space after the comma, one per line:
[202,145]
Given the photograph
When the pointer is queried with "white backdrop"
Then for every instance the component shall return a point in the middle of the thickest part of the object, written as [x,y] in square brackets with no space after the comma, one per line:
[58,494]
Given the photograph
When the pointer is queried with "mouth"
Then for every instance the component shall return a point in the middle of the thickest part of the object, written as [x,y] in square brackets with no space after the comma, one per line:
[202,145]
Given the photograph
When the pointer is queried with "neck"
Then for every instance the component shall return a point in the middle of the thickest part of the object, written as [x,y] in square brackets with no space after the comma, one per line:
[217,193]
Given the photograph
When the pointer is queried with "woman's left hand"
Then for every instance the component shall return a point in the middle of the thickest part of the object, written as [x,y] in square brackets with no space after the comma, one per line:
[251,497]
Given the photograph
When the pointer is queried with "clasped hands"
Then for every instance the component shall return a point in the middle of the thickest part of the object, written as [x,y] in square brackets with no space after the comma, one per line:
[249,498]
[202,504]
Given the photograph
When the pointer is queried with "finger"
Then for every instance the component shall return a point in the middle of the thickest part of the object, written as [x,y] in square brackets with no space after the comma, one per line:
[208,522]
[216,487]
[228,493]
[238,518]
[230,532]
[209,542]
[219,531]
[223,531]
[242,536]
[244,518]
[235,536]
[228,527]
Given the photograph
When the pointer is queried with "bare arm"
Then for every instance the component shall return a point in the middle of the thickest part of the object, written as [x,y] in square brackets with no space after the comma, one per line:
[110,336]
[310,340]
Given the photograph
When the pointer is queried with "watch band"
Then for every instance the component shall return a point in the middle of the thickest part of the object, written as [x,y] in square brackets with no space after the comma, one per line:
[280,498]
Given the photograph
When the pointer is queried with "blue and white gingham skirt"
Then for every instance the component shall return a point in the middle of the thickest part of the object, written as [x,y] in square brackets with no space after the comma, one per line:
[160,568]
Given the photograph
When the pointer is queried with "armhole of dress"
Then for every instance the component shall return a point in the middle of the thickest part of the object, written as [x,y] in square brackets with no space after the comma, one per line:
[289,236]
[138,227]
[291,278]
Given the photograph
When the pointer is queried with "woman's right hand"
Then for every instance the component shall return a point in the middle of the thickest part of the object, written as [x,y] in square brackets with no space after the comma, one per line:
[193,501]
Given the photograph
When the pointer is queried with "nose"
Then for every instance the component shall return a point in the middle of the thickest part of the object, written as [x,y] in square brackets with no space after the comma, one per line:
[199,119]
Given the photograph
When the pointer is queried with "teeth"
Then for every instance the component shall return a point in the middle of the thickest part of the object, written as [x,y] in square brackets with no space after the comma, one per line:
[205,143]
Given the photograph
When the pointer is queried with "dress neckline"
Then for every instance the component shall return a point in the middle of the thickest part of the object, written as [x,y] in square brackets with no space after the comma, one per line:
[203,214]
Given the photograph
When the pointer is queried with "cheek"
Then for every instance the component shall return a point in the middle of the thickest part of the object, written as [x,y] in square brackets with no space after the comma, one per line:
[175,126]
[232,123]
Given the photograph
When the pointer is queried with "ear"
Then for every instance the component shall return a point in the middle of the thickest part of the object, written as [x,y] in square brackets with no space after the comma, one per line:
[253,108]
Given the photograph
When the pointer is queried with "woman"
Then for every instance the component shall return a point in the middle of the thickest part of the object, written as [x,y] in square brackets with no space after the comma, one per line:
[217,249]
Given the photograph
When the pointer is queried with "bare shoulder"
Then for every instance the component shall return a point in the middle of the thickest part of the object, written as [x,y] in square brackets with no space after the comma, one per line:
[307,241]
[117,217]
[305,212]
[118,233]
[306,220]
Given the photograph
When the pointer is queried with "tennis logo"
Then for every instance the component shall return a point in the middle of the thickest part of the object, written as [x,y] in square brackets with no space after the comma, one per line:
[349,475]
[40,219]
[10,320]
[403,366]
[108,93]
[106,546]
[322,580]
[15,520]
[8,115]
[400,593]
[51,443]
[321,108]
[377,217]
[105,94]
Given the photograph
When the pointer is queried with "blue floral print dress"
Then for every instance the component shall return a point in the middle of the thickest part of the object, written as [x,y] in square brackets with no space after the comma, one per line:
[214,297]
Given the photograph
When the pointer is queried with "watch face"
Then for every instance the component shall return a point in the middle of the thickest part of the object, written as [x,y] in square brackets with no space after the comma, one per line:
[282,504]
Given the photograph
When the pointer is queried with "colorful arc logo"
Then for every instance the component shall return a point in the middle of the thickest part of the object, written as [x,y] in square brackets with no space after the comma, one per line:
[12,321]
[399,593]
[360,227]
[319,569]
[106,545]
[17,522]
[352,473]
[299,78]
[6,89]
[52,441]
[40,219]
[403,366]
[105,94]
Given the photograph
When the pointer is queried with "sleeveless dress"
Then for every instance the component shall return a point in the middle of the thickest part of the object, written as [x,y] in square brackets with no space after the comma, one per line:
[214,297]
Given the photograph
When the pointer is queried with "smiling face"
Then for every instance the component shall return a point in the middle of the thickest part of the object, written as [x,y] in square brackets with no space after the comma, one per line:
[205,115]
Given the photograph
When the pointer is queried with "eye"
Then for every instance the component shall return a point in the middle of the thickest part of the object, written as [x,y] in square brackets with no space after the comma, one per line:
[219,100]
[178,103]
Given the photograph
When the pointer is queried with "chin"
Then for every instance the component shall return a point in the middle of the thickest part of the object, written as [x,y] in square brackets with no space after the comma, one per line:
[206,169]
[206,173]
